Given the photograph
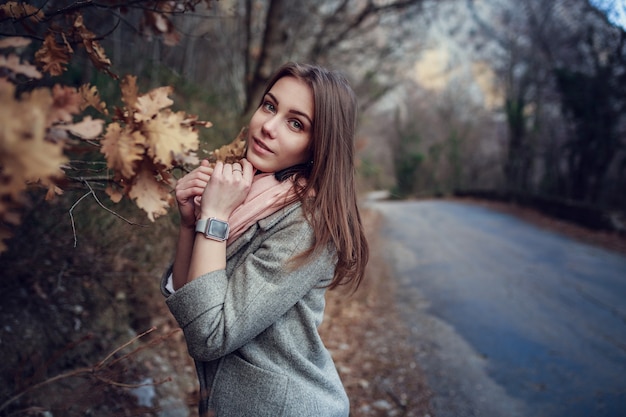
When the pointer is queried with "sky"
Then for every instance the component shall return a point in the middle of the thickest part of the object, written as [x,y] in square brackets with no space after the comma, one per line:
[616,10]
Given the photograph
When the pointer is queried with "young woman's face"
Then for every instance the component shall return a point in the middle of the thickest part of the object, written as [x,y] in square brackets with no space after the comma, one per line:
[280,129]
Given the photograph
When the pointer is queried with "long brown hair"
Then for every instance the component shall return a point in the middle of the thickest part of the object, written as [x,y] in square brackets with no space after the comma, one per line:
[333,213]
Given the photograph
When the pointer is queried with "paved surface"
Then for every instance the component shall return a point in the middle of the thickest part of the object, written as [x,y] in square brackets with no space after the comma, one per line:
[509,320]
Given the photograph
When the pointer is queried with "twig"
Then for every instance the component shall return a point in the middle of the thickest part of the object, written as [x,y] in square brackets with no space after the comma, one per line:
[95,197]
[131,341]
[72,218]
[89,370]
[111,211]
[122,385]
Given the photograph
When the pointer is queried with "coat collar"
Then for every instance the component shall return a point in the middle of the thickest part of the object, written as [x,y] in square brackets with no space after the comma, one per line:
[263,224]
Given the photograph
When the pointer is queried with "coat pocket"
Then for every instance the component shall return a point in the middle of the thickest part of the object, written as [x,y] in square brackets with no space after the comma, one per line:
[241,389]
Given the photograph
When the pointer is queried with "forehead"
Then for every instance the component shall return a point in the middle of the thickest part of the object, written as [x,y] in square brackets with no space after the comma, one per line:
[293,94]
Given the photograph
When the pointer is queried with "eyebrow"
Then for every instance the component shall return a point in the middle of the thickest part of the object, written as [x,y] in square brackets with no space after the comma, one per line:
[292,110]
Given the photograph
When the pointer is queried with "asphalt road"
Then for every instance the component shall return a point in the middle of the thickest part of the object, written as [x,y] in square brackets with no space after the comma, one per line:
[508,319]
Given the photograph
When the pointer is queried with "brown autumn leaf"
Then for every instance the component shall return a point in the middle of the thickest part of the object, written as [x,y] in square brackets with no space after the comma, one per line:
[67,103]
[91,97]
[149,105]
[151,191]
[122,148]
[17,10]
[25,154]
[14,42]
[167,138]
[52,192]
[129,91]
[232,152]
[87,128]
[13,64]
[171,38]
[114,194]
[53,57]
[157,22]
[92,47]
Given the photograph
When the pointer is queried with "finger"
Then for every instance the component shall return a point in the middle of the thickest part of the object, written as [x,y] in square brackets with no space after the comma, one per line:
[205,169]
[218,169]
[248,169]
[237,167]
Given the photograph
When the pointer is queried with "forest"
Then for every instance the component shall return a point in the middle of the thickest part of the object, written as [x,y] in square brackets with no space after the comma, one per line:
[105,103]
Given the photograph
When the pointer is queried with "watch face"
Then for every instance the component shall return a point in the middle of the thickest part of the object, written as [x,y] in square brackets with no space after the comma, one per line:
[218,229]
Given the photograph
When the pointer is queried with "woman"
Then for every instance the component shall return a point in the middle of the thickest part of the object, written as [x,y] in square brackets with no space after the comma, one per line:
[260,241]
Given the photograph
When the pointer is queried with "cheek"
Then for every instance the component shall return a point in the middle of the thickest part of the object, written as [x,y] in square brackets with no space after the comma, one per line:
[254,120]
[302,152]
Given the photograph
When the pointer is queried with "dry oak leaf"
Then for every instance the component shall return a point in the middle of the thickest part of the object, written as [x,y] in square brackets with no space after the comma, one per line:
[87,128]
[91,97]
[151,194]
[94,50]
[53,57]
[53,191]
[67,102]
[122,148]
[150,104]
[25,154]
[13,64]
[114,194]
[14,42]
[129,91]
[232,152]
[168,138]
[17,10]
[158,22]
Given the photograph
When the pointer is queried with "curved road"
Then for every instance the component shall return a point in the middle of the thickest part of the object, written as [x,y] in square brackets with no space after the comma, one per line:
[509,320]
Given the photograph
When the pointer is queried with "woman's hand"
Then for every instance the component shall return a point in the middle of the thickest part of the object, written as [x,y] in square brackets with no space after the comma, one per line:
[187,189]
[227,188]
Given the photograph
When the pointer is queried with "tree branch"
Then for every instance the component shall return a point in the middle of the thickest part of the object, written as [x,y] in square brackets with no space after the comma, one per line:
[88,370]
[95,197]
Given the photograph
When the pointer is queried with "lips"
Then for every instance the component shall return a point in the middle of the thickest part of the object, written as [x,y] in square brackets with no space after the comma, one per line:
[261,146]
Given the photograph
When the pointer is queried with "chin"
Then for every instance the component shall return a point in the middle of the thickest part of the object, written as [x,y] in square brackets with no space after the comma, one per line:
[257,162]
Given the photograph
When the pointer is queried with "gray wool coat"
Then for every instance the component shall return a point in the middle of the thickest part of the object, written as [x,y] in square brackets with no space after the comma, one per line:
[252,328]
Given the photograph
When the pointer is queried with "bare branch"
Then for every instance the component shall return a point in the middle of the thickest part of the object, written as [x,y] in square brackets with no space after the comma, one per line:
[95,197]
[72,219]
[88,370]
[101,363]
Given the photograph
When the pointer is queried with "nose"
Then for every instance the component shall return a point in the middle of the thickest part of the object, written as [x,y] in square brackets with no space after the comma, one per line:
[269,126]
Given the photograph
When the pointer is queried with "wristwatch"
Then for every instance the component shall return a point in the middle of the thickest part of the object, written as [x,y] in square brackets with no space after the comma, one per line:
[213,228]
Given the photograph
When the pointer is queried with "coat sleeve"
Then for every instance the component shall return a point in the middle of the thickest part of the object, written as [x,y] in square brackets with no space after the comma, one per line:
[223,310]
